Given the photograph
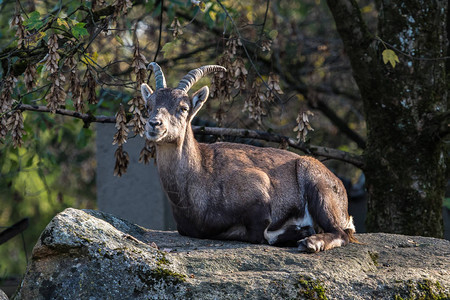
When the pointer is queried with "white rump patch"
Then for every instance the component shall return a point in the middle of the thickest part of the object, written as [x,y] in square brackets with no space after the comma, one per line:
[272,236]
[350,225]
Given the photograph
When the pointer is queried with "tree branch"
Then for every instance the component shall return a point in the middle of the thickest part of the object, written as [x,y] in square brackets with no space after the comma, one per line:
[355,35]
[87,118]
[14,230]
[349,22]
[322,106]
[338,122]
[328,112]
[353,159]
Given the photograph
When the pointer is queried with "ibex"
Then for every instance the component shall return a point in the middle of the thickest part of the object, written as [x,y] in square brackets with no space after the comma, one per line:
[231,191]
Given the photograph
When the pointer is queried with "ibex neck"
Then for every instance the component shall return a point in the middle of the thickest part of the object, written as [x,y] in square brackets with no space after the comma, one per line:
[179,158]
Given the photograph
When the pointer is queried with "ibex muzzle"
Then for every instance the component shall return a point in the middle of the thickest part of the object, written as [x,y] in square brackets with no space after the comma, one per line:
[240,192]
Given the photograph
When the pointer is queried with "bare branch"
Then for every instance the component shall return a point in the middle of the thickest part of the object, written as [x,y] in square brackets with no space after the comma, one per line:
[338,122]
[353,159]
[294,84]
[160,32]
[14,230]
[87,118]
[265,17]
[246,50]
[327,111]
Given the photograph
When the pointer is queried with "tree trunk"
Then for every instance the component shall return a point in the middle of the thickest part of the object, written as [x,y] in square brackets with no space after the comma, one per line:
[405,109]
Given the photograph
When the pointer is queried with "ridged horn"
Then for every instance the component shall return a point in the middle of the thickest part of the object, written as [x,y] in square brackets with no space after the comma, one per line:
[194,75]
[159,76]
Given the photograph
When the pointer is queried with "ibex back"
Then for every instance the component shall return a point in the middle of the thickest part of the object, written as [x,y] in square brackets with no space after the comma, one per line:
[239,192]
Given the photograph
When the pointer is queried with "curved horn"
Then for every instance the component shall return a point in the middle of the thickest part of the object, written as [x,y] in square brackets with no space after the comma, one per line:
[159,76]
[194,75]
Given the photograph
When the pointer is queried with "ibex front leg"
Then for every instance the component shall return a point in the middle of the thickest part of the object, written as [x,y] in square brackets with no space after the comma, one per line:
[258,219]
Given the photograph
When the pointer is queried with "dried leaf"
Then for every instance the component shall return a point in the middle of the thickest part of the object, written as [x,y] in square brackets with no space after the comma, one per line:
[147,153]
[121,7]
[122,160]
[21,32]
[254,103]
[303,126]
[14,124]
[75,85]
[121,135]
[137,108]
[175,26]
[90,86]
[140,65]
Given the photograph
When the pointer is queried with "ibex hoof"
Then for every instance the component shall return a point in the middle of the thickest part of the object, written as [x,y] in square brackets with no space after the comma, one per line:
[311,244]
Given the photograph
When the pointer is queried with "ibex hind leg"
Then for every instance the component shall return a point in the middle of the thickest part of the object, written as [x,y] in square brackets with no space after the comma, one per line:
[327,204]
[326,216]
[322,241]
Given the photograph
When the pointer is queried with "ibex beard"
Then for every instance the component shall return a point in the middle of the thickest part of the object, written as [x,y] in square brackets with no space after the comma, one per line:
[240,192]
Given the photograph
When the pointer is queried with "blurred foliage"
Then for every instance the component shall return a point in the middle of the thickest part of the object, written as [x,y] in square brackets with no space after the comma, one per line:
[53,170]
[87,56]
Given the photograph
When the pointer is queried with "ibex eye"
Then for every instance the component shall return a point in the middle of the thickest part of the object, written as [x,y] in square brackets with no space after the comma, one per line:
[184,108]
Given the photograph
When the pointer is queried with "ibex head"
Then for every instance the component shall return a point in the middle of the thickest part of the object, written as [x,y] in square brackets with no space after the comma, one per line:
[170,110]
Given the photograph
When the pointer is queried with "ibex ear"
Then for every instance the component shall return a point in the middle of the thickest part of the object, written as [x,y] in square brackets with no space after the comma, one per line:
[198,99]
[146,92]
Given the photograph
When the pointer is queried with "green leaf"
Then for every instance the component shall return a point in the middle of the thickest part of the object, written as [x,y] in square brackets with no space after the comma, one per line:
[273,34]
[169,49]
[447,203]
[39,69]
[368,8]
[62,23]
[34,21]
[119,39]
[83,138]
[390,56]
[29,161]
[79,31]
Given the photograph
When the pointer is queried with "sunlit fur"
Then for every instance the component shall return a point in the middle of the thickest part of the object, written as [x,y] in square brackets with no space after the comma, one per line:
[241,192]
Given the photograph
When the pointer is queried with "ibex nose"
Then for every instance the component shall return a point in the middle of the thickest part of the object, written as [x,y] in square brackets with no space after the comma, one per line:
[154,123]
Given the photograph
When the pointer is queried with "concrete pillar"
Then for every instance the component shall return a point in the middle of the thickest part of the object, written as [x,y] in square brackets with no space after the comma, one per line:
[136,196]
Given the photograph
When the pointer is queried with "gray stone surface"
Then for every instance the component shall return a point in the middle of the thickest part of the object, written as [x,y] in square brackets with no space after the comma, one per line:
[85,254]
[136,196]
[3,295]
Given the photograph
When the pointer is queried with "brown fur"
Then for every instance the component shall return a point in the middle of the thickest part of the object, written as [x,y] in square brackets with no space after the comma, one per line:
[242,192]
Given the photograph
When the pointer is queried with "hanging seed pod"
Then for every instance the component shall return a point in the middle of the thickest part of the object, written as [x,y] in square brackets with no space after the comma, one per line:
[21,32]
[14,124]
[137,108]
[90,86]
[122,160]
[140,65]
[303,127]
[75,85]
[121,135]
[147,153]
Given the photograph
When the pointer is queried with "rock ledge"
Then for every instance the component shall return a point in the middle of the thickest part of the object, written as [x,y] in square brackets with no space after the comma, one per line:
[86,254]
